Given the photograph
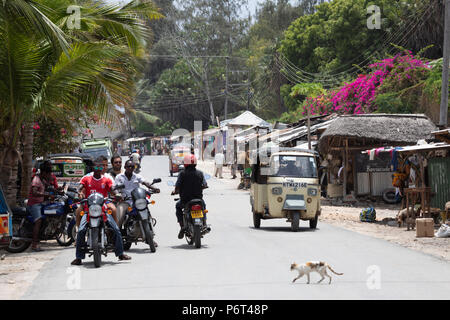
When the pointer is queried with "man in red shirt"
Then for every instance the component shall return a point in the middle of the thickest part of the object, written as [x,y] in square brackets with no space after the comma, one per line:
[101,184]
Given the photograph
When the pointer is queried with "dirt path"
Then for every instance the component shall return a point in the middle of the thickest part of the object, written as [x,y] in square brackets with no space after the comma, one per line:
[384,228]
[18,270]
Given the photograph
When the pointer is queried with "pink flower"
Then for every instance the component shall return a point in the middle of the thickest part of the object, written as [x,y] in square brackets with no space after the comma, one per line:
[36,126]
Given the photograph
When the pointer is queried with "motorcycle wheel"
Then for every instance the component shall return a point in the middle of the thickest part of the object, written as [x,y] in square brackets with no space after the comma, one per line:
[17,246]
[197,236]
[295,221]
[96,247]
[65,237]
[148,235]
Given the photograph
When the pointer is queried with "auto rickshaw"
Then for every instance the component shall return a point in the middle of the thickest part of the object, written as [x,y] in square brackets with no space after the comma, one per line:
[286,186]
[5,221]
[176,157]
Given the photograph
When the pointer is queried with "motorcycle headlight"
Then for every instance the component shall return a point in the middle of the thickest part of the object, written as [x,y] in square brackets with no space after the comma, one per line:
[95,211]
[141,204]
[312,192]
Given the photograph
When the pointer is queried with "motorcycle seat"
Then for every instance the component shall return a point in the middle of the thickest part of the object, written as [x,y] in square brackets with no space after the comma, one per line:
[19,211]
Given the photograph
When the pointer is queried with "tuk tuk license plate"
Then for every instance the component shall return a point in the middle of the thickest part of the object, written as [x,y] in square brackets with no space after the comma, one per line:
[197,214]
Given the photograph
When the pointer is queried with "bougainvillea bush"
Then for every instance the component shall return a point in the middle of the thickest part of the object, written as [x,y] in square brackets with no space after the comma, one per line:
[390,81]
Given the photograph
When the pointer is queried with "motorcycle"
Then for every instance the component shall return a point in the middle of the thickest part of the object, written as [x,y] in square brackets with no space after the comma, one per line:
[194,219]
[139,223]
[57,217]
[100,237]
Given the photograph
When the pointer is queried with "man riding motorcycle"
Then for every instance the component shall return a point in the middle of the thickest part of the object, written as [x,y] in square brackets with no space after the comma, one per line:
[189,185]
[136,158]
[131,181]
[97,183]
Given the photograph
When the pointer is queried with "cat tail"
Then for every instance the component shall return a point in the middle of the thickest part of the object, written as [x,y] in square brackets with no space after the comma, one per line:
[339,274]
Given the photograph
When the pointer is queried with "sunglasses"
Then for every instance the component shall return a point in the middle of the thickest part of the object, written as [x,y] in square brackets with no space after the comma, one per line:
[120,162]
[98,168]
[129,166]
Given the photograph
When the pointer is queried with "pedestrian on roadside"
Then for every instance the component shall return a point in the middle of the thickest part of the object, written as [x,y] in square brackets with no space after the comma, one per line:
[219,159]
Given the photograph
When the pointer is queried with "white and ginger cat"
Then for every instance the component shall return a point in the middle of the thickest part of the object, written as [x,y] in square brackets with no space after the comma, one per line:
[313,266]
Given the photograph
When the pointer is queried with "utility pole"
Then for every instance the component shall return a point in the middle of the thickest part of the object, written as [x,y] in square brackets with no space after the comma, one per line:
[248,91]
[309,129]
[445,66]
[226,88]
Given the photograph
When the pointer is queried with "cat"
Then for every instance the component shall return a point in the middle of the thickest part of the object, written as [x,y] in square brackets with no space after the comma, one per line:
[313,266]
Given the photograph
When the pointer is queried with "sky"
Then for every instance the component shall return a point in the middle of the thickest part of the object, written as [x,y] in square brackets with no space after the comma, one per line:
[252,4]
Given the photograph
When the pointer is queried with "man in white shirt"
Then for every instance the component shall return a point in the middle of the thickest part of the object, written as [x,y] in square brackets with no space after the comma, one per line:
[130,180]
[219,159]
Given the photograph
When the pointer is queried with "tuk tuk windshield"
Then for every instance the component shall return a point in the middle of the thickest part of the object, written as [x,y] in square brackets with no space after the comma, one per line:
[293,166]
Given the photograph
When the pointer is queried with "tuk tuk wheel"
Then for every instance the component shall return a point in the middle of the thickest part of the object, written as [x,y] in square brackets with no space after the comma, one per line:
[295,223]
[256,220]
[313,222]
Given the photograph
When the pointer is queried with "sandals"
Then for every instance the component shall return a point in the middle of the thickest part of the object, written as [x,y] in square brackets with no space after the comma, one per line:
[76,262]
[36,249]
[124,257]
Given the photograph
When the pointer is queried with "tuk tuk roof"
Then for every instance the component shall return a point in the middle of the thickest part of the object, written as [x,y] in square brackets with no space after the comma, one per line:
[296,151]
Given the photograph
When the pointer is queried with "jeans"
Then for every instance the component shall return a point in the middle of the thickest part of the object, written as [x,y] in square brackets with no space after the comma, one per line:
[36,211]
[81,237]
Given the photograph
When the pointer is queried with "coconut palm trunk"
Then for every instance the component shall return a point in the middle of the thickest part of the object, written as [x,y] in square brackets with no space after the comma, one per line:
[27,160]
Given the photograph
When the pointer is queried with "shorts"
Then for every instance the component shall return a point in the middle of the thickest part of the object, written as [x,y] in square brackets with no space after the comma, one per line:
[36,211]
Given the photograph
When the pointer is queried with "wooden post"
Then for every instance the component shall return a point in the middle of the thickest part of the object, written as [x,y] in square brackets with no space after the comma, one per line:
[344,191]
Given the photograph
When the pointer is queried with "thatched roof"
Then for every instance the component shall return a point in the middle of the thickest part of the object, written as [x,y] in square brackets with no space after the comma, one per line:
[403,129]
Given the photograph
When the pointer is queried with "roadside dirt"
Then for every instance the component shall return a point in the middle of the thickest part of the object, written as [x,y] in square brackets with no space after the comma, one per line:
[385,228]
[18,270]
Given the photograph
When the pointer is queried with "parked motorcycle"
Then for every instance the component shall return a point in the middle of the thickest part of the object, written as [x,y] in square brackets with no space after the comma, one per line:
[139,223]
[194,218]
[100,237]
[57,217]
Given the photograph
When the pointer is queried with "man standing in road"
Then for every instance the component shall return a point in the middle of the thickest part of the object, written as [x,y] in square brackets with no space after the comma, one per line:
[219,159]
[38,194]
[90,184]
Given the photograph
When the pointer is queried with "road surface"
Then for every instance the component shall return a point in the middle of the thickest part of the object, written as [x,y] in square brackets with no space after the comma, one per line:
[237,261]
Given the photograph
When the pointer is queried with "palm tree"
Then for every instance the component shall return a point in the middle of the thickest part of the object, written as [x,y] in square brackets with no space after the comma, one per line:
[55,73]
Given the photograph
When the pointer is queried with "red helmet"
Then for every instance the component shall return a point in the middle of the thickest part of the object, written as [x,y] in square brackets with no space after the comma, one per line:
[190,159]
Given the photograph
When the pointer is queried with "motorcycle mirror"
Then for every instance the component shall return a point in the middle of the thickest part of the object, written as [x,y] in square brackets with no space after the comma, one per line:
[156,180]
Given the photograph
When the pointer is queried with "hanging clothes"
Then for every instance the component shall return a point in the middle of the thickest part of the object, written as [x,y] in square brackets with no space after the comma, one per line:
[372,154]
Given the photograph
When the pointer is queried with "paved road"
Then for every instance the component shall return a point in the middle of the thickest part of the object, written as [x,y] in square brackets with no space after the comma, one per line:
[237,261]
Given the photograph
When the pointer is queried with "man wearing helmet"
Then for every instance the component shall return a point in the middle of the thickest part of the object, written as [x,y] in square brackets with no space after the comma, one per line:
[189,185]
